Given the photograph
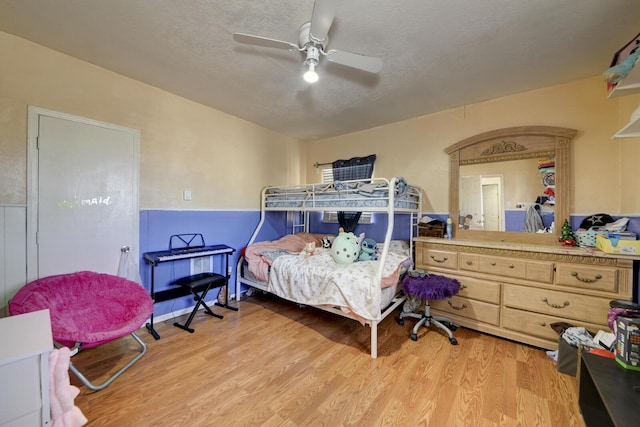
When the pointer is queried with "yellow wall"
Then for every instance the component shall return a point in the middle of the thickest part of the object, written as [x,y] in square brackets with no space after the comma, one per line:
[225,161]
[606,173]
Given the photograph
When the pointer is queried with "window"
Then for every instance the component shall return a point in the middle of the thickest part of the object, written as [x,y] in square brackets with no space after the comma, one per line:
[332,216]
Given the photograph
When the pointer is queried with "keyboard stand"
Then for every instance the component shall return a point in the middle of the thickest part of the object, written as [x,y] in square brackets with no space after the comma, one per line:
[199,283]
[193,247]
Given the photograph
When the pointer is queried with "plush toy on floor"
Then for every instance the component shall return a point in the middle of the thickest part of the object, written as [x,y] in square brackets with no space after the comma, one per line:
[368,250]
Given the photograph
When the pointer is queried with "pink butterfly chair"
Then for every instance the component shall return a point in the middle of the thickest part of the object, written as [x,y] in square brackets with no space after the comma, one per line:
[87,310]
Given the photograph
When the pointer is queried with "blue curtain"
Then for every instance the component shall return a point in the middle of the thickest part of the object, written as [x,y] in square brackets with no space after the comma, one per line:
[353,168]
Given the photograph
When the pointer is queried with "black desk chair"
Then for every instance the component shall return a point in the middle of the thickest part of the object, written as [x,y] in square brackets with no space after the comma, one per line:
[200,283]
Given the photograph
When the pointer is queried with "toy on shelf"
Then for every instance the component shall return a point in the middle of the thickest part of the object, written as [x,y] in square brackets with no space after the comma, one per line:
[620,71]
[623,62]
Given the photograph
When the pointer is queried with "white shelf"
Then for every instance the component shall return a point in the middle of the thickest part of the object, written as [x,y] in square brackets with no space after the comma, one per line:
[630,85]
[631,130]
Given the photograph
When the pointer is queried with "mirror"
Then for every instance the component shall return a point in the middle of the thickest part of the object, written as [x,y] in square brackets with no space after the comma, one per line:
[511,184]
[497,196]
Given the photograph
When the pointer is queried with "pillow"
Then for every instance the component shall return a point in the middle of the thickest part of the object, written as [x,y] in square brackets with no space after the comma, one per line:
[596,220]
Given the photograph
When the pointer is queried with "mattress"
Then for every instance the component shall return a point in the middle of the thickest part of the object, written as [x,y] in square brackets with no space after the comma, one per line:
[341,196]
[386,294]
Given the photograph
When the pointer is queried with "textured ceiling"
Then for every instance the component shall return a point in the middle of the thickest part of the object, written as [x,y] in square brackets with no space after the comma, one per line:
[437,54]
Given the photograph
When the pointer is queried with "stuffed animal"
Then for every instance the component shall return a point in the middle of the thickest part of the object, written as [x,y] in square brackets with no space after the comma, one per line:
[327,241]
[368,250]
[308,250]
[345,248]
[620,71]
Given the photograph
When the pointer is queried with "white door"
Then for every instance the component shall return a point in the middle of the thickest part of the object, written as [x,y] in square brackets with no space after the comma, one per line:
[83,194]
[491,207]
[471,201]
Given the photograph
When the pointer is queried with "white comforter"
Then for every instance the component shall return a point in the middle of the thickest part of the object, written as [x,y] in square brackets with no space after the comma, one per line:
[319,280]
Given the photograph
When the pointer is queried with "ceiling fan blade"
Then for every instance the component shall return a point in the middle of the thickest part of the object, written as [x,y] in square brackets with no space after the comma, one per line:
[355,60]
[263,41]
[323,13]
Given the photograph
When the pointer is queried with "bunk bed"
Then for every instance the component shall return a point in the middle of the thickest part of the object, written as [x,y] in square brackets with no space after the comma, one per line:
[282,267]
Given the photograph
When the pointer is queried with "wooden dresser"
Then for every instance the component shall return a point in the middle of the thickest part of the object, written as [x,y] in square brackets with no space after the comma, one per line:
[517,291]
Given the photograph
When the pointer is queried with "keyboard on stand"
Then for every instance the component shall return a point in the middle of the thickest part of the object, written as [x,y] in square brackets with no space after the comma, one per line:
[185,246]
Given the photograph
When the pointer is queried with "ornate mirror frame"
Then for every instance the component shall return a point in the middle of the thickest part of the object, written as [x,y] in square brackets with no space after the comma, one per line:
[514,143]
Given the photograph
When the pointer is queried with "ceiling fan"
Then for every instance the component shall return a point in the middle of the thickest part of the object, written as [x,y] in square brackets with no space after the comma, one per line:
[313,40]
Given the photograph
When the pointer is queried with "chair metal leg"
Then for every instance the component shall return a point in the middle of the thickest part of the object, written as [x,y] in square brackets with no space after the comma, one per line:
[426,320]
[93,387]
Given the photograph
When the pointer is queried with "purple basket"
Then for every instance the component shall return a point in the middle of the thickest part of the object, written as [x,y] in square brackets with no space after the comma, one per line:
[621,308]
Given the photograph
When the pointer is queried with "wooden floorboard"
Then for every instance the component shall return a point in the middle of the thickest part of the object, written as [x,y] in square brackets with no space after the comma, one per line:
[274,363]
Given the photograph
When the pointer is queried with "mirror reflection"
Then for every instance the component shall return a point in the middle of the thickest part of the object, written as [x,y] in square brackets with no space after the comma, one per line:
[515,195]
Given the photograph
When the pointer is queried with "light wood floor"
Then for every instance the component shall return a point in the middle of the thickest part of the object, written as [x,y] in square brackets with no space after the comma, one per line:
[273,363]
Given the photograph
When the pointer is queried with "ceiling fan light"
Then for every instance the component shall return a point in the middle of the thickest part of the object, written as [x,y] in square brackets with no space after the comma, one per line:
[311,76]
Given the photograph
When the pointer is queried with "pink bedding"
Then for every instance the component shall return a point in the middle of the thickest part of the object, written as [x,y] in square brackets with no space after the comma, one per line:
[292,243]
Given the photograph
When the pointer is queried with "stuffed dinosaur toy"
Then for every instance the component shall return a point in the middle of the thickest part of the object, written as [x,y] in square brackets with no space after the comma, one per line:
[621,70]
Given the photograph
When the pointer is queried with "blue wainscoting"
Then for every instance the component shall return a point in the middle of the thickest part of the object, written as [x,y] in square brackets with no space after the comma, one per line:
[514,219]
[234,228]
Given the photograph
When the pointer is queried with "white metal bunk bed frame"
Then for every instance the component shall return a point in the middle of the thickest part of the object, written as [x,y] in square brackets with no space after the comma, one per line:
[312,204]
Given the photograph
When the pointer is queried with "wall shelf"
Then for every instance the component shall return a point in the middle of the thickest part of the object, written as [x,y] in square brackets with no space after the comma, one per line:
[628,86]
[631,130]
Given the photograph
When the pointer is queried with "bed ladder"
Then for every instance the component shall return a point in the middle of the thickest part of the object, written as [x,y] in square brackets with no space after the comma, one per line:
[299,221]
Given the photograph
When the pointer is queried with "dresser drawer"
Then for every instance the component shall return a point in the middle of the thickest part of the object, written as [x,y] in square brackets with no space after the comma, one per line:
[536,324]
[479,289]
[468,262]
[510,267]
[471,309]
[435,258]
[587,277]
[540,271]
[562,304]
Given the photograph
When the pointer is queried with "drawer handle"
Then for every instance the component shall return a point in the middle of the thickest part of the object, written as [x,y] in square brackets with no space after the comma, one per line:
[439,260]
[463,286]
[457,308]
[493,263]
[542,323]
[586,279]
[546,301]
[512,266]
[469,262]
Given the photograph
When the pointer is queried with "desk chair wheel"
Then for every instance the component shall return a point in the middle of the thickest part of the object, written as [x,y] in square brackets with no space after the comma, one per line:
[430,287]
[400,321]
